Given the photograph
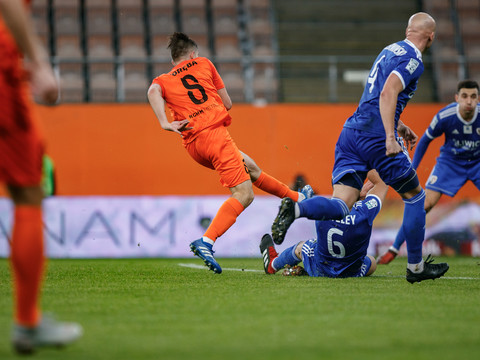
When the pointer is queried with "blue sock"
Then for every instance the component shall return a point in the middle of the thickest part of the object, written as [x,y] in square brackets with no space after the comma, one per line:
[414,226]
[400,239]
[321,208]
[287,257]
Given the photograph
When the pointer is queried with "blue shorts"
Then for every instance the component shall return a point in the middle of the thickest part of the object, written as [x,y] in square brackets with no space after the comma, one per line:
[449,175]
[357,152]
[317,268]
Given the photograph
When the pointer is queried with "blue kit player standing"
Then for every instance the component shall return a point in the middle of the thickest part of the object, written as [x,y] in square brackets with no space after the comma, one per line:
[370,140]
[340,249]
[459,159]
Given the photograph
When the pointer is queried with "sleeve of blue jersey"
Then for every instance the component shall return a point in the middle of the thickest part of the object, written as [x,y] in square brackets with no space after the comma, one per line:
[372,206]
[404,70]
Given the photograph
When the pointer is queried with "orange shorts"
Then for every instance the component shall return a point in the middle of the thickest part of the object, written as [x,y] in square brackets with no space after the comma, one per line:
[21,146]
[215,149]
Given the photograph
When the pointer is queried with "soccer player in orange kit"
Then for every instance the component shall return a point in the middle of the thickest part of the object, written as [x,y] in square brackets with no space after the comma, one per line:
[21,151]
[199,104]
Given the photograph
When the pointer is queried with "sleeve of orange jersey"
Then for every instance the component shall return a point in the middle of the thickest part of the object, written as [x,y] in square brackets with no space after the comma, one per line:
[217,80]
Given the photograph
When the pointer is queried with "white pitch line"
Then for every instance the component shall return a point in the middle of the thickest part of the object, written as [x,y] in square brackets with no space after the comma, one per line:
[196,266]
[203,267]
[443,277]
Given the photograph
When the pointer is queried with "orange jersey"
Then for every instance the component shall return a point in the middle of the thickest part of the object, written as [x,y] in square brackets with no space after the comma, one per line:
[190,91]
[21,141]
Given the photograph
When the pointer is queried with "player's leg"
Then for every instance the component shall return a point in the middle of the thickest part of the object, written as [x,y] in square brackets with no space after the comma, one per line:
[288,257]
[413,226]
[368,267]
[414,229]
[315,208]
[272,261]
[216,149]
[269,184]
[242,196]
[32,329]
[431,199]
[373,265]
[27,254]
[20,168]
[474,173]
[267,249]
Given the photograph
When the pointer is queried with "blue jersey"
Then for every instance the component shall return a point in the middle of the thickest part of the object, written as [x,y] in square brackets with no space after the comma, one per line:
[404,60]
[462,138]
[341,245]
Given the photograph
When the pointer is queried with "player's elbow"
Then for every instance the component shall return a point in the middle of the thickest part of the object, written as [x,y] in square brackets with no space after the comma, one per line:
[228,104]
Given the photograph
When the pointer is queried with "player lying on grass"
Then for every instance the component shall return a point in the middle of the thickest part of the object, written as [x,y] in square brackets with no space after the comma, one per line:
[340,249]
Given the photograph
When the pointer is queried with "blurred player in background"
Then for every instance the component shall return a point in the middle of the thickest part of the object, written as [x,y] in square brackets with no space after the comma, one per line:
[369,140]
[459,159]
[21,149]
[199,104]
[340,249]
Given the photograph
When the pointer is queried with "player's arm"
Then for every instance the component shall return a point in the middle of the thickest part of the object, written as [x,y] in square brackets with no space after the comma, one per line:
[220,86]
[227,102]
[18,21]
[421,149]
[388,103]
[379,187]
[157,102]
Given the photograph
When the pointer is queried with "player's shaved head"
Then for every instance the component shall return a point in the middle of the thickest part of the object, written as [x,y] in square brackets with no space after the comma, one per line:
[421,30]
[421,22]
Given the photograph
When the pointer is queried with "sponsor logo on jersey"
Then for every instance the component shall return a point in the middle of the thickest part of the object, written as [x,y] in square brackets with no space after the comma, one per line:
[455,132]
[467,144]
[412,66]
[432,179]
[371,204]
[467,129]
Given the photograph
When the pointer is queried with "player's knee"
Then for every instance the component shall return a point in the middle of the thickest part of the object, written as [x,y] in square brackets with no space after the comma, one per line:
[408,184]
[246,197]
[254,171]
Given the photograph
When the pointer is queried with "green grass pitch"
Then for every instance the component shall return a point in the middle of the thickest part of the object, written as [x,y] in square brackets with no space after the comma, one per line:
[158,309]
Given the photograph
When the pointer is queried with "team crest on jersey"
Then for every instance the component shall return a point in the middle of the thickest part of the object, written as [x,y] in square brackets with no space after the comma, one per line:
[370,204]
[433,179]
[478,131]
[412,65]
[467,129]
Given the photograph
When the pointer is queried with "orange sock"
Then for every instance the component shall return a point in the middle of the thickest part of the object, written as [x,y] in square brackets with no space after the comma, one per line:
[27,261]
[272,186]
[225,218]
